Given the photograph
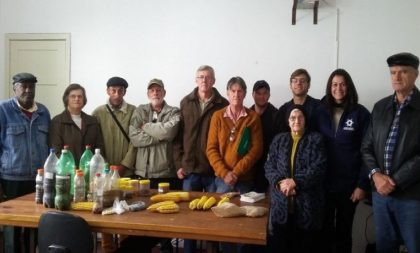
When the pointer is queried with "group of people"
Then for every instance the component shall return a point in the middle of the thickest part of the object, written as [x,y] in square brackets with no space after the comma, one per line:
[315,158]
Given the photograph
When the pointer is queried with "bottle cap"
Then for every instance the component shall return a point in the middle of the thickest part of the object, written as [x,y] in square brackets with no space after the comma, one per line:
[144,181]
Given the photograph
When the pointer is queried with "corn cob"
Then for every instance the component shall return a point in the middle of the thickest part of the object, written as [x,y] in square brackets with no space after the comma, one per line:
[184,196]
[170,208]
[154,207]
[193,204]
[82,206]
[223,200]
[200,203]
[165,197]
[209,203]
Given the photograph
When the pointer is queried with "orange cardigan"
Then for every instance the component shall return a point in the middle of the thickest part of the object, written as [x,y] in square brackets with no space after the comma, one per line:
[222,153]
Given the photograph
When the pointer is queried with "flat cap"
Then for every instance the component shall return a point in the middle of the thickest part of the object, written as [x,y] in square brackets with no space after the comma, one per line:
[261,84]
[24,78]
[117,81]
[155,81]
[403,59]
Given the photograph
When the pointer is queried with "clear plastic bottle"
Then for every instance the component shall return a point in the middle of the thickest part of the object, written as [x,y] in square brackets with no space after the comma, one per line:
[98,194]
[49,179]
[106,174]
[79,187]
[85,163]
[115,178]
[66,167]
[39,186]
[97,164]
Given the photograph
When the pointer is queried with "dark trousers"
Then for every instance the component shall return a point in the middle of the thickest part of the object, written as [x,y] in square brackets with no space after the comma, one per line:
[339,222]
[12,235]
[289,238]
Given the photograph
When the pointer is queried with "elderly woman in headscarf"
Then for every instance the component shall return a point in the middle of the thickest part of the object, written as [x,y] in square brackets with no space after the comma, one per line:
[295,169]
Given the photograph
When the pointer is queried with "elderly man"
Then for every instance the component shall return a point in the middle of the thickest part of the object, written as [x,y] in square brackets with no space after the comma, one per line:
[267,112]
[391,151]
[23,147]
[300,82]
[114,118]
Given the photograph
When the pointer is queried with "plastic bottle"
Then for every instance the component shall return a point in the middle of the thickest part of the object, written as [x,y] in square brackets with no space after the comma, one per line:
[79,187]
[66,167]
[98,194]
[49,179]
[106,174]
[115,178]
[67,147]
[62,198]
[97,164]
[39,186]
[85,162]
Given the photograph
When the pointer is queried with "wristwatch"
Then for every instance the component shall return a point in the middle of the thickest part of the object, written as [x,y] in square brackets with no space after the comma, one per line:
[373,171]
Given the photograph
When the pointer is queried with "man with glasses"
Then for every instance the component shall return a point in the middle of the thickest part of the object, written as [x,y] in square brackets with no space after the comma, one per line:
[190,156]
[24,127]
[300,82]
[114,118]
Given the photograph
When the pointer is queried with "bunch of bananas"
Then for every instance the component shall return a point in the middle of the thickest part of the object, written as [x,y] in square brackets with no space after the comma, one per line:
[205,203]
[171,196]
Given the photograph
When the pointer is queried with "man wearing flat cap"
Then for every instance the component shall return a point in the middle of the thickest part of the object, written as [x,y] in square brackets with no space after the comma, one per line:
[23,147]
[114,118]
[267,113]
[391,152]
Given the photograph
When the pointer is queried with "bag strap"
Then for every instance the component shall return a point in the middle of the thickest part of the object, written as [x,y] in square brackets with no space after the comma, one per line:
[118,123]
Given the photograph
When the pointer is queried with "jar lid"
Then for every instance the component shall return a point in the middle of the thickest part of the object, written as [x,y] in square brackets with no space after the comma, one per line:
[163,185]
[144,181]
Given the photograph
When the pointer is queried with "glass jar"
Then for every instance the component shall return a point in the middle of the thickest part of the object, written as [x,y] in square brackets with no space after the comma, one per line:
[163,187]
[144,187]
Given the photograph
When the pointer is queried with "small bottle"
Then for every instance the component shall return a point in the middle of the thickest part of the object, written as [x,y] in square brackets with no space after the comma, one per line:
[115,178]
[79,187]
[144,187]
[98,194]
[106,174]
[62,198]
[163,187]
[39,186]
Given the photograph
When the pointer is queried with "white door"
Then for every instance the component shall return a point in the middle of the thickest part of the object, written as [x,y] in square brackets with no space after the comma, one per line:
[47,56]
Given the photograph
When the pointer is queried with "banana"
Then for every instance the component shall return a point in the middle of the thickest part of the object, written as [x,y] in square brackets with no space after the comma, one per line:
[209,203]
[184,196]
[170,208]
[202,201]
[165,197]
[154,207]
[223,200]
[193,204]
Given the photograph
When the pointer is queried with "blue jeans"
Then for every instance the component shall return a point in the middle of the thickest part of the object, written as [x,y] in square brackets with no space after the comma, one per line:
[197,182]
[242,187]
[397,221]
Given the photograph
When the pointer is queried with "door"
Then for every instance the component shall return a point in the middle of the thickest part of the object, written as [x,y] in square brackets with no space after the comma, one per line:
[47,56]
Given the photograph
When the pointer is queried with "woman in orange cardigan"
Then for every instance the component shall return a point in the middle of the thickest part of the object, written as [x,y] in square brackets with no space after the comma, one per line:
[235,141]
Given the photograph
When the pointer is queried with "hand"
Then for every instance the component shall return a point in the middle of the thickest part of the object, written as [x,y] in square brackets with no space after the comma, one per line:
[383,183]
[181,173]
[358,194]
[230,179]
[287,187]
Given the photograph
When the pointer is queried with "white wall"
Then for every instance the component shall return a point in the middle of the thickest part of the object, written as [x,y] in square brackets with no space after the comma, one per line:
[169,39]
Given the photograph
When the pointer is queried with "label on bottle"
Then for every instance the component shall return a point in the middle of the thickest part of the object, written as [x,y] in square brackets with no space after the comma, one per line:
[49,175]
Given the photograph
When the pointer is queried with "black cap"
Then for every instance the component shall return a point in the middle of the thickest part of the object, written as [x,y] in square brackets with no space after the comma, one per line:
[117,81]
[24,78]
[261,84]
[403,59]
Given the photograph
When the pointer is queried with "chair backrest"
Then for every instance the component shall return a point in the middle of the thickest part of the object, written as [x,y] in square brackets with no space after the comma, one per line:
[64,232]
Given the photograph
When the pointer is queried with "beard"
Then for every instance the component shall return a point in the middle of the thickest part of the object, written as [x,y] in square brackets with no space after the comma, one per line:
[156,101]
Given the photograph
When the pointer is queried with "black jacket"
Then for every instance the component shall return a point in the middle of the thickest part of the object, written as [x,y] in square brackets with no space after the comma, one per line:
[406,158]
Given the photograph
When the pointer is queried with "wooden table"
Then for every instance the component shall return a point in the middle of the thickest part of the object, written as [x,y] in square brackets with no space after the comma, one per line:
[199,225]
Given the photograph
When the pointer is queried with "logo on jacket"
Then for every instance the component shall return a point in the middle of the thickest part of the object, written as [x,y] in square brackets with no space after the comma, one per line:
[349,125]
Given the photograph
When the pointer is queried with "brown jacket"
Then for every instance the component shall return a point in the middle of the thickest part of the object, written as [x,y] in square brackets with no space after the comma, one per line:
[191,142]
[63,131]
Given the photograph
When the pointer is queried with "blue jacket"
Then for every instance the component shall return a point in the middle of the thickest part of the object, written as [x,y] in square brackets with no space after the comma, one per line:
[345,167]
[309,173]
[23,141]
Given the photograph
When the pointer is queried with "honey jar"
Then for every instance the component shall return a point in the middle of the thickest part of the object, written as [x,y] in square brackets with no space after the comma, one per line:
[163,187]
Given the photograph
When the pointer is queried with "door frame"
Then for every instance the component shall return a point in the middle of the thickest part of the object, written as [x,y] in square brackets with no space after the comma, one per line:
[9,37]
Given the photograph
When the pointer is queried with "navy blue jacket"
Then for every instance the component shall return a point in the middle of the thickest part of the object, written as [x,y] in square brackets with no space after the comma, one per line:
[345,167]
[309,174]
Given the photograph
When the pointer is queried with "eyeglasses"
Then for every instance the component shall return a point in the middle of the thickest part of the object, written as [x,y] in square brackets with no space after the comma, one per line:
[204,77]
[299,80]
[232,134]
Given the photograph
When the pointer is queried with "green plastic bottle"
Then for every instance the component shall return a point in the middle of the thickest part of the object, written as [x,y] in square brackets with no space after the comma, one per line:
[66,167]
[84,164]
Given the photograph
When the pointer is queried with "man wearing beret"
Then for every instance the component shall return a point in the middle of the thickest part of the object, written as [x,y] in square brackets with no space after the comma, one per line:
[114,118]
[23,147]
[391,151]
